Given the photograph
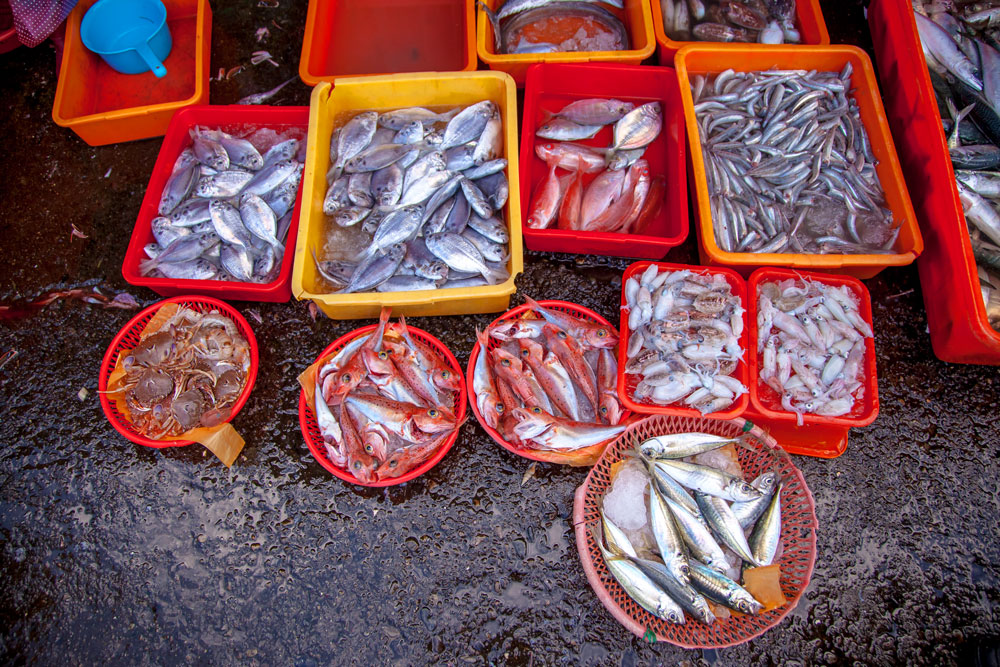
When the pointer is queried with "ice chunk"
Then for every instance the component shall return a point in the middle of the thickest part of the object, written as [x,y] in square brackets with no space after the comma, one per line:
[625,502]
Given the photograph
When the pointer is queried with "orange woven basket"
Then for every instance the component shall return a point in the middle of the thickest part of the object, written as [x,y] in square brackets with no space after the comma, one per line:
[798,534]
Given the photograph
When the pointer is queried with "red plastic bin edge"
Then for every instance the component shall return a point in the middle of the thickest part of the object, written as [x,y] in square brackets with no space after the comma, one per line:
[174,142]
[739,288]
[675,203]
[958,326]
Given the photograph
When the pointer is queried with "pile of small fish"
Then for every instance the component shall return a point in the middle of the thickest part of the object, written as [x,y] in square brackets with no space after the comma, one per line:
[789,164]
[624,196]
[811,342]
[226,208]
[699,542]
[549,26]
[385,403]
[429,201]
[187,374]
[684,340]
[549,383]
[963,55]
[763,21]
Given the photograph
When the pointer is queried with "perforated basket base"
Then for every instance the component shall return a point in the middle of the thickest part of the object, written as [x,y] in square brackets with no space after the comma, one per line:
[798,534]
[314,438]
[128,338]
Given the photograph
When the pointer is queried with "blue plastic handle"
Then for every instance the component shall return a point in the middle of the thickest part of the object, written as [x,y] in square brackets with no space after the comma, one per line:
[154,63]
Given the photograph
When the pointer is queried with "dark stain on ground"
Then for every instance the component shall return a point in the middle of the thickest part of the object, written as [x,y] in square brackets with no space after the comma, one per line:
[114,553]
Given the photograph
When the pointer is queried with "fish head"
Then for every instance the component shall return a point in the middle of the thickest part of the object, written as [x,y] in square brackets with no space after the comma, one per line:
[530,350]
[600,336]
[363,471]
[670,614]
[742,491]
[375,443]
[747,605]
[434,420]
[379,363]
[447,379]
[345,380]
[531,422]
[610,409]
[506,361]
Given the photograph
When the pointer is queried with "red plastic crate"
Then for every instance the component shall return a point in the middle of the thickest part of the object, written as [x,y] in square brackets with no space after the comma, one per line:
[549,87]
[128,338]
[627,383]
[228,118]
[765,402]
[314,438]
[960,331]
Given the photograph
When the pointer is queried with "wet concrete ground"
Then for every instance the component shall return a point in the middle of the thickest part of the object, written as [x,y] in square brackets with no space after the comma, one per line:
[114,553]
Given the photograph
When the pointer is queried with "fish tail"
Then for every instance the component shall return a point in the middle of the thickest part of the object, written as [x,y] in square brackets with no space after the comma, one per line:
[147,265]
[497,39]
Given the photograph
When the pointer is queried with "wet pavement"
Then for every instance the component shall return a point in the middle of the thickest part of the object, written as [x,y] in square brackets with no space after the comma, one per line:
[114,553]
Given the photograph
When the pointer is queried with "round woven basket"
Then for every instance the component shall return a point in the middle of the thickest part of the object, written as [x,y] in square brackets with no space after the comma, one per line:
[314,439]
[128,338]
[513,314]
[798,534]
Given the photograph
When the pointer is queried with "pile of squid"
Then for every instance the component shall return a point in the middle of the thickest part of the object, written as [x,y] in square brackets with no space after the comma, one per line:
[811,342]
[762,21]
[962,53]
[385,402]
[549,383]
[623,196]
[679,522]
[684,339]
[187,374]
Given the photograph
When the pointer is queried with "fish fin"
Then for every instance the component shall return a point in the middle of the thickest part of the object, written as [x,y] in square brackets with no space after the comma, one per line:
[147,265]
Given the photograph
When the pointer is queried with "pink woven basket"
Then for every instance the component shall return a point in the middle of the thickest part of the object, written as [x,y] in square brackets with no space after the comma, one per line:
[798,534]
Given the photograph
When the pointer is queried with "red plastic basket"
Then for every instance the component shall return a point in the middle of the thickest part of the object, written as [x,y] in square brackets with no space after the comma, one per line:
[766,400]
[128,338]
[513,314]
[798,534]
[234,118]
[627,383]
[550,87]
[960,331]
[314,439]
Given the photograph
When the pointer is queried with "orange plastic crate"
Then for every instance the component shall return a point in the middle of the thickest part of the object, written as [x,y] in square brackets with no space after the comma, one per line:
[808,19]
[364,37]
[106,107]
[638,23]
[707,58]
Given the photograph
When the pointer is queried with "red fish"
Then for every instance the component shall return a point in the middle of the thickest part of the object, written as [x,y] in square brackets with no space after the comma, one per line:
[546,201]
[354,371]
[570,156]
[559,390]
[405,459]
[360,461]
[569,210]
[652,206]
[441,374]
[570,354]
[592,334]
[408,421]
[487,400]
[607,384]
[509,368]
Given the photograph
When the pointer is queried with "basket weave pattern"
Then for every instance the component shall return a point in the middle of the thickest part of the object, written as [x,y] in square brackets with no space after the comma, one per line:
[798,534]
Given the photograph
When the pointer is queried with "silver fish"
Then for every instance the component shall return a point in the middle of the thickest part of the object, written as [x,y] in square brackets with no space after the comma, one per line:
[512,7]
[398,119]
[485,169]
[701,543]
[228,224]
[236,260]
[749,511]
[407,284]
[459,254]
[411,133]
[724,525]
[351,215]
[638,127]
[195,269]
[681,445]
[458,216]
[476,198]
[376,270]
[720,588]
[282,199]
[190,213]
[640,588]
[708,480]
[359,189]
[379,157]
[421,190]
[178,187]
[396,228]
[560,129]
[387,185]
[491,252]
[492,228]
[595,111]
[270,177]
[259,219]
[209,152]
[241,152]
[495,188]
[337,196]
[460,158]
[223,184]
[668,540]
[427,164]
[468,124]
[766,534]
[354,137]
[490,144]
[165,232]
[182,249]
[284,150]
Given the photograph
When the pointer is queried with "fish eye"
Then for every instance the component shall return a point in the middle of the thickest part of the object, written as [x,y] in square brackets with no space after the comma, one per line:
[505,362]
[383,355]
[537,410]
[499,407]
[393,463]
[346,377]
[604,409]
[445,375]
[356,465]
[433,413]
[601,333]
[369,448]
[524,352]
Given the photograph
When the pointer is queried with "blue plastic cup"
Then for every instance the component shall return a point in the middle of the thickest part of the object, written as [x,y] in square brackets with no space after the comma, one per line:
[130,35]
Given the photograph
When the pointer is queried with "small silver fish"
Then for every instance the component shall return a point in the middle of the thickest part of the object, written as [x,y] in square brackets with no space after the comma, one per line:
[468,124]
[560,129]
[178,187]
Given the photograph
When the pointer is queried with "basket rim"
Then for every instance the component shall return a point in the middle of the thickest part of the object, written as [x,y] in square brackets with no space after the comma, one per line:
[740,405]
[306,412]
[580,527]
[115,347]
[524,452]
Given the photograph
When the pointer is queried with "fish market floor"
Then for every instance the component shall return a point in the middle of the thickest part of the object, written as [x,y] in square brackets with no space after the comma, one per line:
[116,553]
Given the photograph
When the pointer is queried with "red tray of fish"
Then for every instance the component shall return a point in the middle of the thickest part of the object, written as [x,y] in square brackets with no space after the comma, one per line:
[956,316]
[766,401]
[314,438]
[292,121]
[128,338]
[583,456]
[627,382]
[759,453]
[549,88]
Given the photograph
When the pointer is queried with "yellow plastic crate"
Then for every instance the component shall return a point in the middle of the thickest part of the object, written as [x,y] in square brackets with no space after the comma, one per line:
[638,21]
[383,93]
